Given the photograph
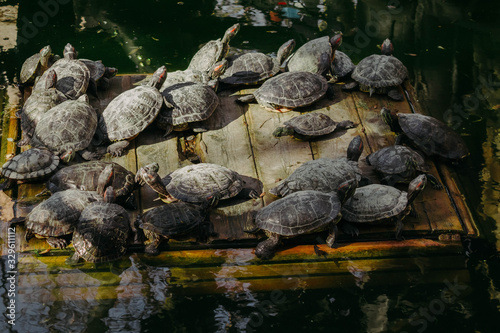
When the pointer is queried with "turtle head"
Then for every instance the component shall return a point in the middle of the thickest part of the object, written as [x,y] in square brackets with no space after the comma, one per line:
[146,173]
[158,77]
[109,195]
[387,48]
[69,52]
[67,156]
[84,98]
[336,40]
[355,148]
[218,69]
[282,131]
[230,33]
[347,189]
[45,54]
[285,50]
[416,186]
[390,119]
[110,72]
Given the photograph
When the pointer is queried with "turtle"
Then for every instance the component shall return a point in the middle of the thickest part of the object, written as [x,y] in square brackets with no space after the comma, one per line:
[378,203]
[380,73]
[56,217]
[315,56]
[130,113]
[194,183]
[289,90]
[67,128]
[94,176]
[342,65]
[400,164]
[213,51]
[72,75]
[299,213]
[255,67]
[36,105]
[310,126]
[210,78]
[323,174]
[428,134]
[35,66]
[32,164]
[102,232]
[99,75]
[174,220]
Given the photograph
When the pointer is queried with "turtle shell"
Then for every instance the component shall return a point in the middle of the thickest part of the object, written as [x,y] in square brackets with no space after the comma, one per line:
[96,68]
[310,56]
[299,213]
[380,71]
[373,203]
[31,164]
[312,124]
[72,77]
[191,102]
[342,65]
[432,136]
[197,182]
[187,75]
[130,113]
[292,89]
[102,232]
[68,126]
[32,66]
[177,218]
[58,215]
[208,55]
[84,176]
[395,159]
[250,68]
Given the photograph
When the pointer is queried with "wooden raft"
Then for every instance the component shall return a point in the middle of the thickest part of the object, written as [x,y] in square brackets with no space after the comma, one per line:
[240,138]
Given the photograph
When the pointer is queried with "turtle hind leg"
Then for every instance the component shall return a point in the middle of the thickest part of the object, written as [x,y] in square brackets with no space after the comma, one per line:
[57,242]
[332,236]
[117,149]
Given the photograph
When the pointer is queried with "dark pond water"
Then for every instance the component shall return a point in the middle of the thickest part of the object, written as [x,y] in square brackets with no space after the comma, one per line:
[451,49]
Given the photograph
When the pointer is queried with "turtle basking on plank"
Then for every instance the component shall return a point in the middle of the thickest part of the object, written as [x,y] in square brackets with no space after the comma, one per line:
[310,126]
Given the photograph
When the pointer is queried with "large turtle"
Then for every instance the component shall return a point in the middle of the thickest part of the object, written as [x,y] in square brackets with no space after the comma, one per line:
[99,75]
[193,183]
[400,164]
[310,126]
[427,134]
[323,174]
[35,66]
[102,232]
[67,128]
[287,91]
[213,51]
[174,220]
[32,164]
[342,65]
[315,56]
[301,213]
[380,73]
[131,112]
[72,75]
[378,203]
[255,67]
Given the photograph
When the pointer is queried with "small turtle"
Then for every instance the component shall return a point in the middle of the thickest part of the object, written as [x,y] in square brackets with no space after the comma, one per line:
[342,65]
[213,51]
[193,183]
[310,126]
[32,164]
[323,174]
[301,213]
[72,75]
[377,203]
[287,91]
[99,75]
[67,128]
[35,65]
[427,134]
[131,112]
[400,164]
[174,220]
[380,73]
[102,232]
[255,67]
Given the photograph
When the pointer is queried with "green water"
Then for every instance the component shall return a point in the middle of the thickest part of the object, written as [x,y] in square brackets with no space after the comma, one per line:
[451,50]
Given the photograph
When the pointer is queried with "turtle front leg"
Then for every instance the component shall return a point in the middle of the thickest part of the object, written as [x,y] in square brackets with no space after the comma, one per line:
[399,228]
[57,242]
[266,249]
[117,149]
[349,229]
[332,236]
[153,243]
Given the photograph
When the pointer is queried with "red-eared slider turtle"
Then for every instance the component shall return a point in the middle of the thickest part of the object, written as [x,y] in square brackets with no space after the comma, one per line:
[342,65]
[289,90]
[255,67]
[94,176]
[311,125]
[102,232]
[427,134]
[323,174]
[174,220]
[131,112]
[315,56]
[380,73]
[400,164]
[56,217]
[99,74]
[213,51]
[37,105]
[35,65]
[210,78]
[301,213]
[32,164]
[67,128]
[194,183]
[72,74]
[377,203]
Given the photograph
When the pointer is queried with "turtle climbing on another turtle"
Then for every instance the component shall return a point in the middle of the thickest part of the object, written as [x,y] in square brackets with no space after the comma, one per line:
[35,66]
[99,75]
[310,126]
